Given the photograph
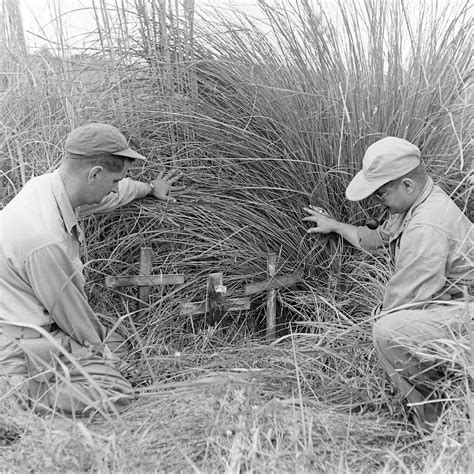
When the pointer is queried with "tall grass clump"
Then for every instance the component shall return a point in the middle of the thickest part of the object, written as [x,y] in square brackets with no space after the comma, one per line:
[264,116]
[278,116]
[282,115]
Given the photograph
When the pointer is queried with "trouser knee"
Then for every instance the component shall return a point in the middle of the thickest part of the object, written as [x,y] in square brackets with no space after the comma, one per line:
[391,336]
[384,332]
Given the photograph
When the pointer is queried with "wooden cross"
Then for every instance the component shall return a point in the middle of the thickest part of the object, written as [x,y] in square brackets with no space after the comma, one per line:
[271,286]
[144,281]
[217,303]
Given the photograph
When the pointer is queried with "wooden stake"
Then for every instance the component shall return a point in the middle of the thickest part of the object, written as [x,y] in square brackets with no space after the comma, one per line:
[271,299]
[216,303]
[216,296]
[144,291]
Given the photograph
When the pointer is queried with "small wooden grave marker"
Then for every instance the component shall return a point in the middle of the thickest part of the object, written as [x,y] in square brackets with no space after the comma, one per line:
[217,303]
[144,281]
[271,286]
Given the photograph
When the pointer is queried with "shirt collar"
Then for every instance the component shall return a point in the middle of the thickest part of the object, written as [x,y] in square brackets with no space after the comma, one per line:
[62,199]
[396,224]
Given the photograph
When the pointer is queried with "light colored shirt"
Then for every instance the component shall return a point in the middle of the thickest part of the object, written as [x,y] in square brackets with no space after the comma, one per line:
[432,245]
[41,272]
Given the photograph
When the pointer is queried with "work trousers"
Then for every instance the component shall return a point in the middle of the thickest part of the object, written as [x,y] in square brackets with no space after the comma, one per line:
[74,380]
[405,342]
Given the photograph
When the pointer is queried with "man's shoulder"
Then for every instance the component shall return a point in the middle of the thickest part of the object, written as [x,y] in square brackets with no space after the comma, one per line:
[36,183]
[36,188]
[31,219]
[437,205]
[28,204]
[439,211]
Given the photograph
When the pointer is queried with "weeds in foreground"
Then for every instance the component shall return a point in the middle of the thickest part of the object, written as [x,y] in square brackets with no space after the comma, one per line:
[250,407]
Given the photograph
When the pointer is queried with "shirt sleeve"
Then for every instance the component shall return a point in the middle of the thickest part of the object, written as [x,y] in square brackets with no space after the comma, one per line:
[128,190]
[370,240]
[59,286]
[373,240]
[420,271]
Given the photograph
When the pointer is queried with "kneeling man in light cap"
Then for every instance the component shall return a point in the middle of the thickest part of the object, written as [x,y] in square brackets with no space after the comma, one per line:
[431,244]
[55,354]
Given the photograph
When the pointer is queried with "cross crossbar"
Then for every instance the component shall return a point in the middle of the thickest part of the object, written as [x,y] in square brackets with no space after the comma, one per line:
[144,281]
[272,283]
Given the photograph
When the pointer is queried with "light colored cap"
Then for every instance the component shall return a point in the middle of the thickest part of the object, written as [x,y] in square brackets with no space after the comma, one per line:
[95,139]
[384,161]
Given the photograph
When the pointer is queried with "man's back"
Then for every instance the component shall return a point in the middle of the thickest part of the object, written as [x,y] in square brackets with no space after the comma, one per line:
[433,251]
[440,215]
[39,218]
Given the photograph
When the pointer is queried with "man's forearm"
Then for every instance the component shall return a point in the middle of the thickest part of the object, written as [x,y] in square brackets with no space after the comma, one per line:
[143,189]
[347,232]
[129,190]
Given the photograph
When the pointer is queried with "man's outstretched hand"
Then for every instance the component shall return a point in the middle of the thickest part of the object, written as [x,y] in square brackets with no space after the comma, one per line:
[323,223]
[163,185]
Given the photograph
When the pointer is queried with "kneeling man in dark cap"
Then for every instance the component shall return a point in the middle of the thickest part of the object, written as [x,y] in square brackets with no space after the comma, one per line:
[55,354]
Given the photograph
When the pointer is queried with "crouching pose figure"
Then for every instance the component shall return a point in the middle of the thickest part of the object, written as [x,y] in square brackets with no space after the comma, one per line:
[54,351]
[429,296]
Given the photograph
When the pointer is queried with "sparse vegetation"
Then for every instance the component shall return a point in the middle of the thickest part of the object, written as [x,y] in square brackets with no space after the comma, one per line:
[263,118]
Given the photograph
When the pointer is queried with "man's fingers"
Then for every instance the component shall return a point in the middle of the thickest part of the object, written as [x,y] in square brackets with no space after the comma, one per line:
[173,175]
[314,230]
[314,218]
[319,210]
[315,211]
[173,179]
[178,188]
[166,197]
[166,175]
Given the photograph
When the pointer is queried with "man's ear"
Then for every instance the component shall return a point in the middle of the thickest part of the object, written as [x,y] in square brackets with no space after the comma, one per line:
[94,174]
[408,185]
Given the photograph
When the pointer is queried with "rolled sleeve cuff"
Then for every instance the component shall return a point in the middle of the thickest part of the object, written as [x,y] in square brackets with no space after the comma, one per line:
[141,189]
[128,190]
